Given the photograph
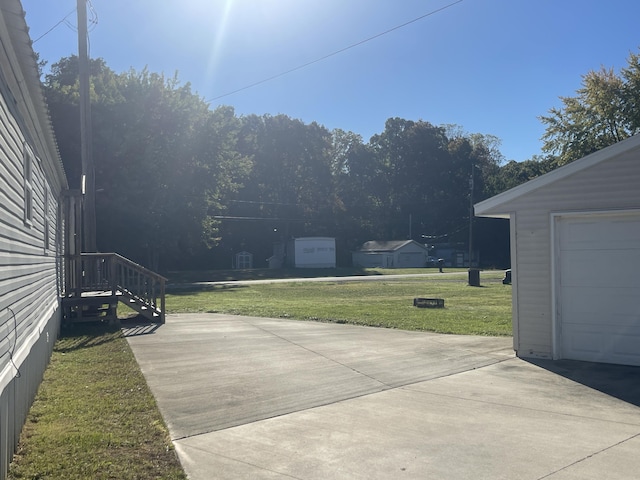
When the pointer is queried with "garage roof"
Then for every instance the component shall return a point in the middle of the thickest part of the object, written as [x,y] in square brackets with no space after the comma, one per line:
[498,205]
[385,246]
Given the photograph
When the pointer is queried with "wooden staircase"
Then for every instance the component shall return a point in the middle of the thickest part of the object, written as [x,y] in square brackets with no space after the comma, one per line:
[97,282]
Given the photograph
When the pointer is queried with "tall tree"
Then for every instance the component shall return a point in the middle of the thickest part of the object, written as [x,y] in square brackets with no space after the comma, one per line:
[358,179]
[604,111]
[289,191]
[161,159]
[515,173]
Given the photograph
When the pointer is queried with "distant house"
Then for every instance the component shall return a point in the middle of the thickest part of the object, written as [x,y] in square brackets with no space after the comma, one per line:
[391,254]
[575,257]
[33,207]
[305,252]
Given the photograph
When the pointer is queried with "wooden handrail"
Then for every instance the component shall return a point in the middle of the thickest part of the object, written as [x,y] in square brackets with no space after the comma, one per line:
[104,272]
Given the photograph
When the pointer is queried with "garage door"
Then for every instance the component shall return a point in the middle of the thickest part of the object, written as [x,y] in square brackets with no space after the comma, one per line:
[411,260]
[599,288]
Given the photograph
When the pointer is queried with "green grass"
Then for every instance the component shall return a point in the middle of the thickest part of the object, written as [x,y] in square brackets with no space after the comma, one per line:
[94,416]
[269,273]
[484,310]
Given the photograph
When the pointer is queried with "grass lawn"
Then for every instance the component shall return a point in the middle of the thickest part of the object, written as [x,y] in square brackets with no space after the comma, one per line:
[269,273]
[94,416]
[484,310]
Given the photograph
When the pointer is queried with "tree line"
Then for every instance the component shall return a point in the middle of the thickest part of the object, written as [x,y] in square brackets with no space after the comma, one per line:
[181,185]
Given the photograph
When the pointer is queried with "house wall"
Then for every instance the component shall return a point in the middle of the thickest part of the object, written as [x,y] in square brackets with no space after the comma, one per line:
[372,260]
[608,185]
[410,256]
[31,184]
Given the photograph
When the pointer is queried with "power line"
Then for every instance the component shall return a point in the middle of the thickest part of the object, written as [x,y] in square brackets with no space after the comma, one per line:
[93,21]
[266,219]
[357,44]
[259,202]
[55,26]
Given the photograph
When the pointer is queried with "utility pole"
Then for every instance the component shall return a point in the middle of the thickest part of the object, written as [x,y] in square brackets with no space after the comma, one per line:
[474,273]
[471,216]
[88,186]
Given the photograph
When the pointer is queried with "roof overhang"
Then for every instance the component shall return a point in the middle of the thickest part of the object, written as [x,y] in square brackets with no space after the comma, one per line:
[498,205]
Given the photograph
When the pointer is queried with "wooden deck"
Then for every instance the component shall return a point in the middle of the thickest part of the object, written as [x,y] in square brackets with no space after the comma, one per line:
[97,282]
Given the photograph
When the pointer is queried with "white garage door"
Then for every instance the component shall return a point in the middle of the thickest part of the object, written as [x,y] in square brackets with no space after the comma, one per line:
[411,260]
[599,288]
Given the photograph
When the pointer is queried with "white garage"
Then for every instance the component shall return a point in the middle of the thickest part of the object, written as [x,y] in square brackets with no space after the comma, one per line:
[391,254]
[575,252]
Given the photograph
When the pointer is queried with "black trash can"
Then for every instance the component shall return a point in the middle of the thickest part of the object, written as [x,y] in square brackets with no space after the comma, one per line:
[474,277]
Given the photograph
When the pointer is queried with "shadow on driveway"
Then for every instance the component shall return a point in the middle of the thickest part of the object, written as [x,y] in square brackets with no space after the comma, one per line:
[619,381]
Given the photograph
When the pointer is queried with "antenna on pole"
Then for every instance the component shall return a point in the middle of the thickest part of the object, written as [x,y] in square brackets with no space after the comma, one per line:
[86,152]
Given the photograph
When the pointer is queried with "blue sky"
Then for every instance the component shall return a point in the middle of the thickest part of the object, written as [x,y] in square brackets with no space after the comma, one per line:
[490,66]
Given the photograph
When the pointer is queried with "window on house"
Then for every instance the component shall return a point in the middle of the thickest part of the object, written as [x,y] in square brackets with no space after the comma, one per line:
[28,185]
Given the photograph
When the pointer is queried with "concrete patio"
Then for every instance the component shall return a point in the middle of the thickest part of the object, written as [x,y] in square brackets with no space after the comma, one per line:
[261,398]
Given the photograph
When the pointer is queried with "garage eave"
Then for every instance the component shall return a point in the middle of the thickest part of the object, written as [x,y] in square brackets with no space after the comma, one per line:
[497,205]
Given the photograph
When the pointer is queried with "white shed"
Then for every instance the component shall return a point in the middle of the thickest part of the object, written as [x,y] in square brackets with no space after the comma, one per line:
[391,254]
[575,252]
[311,252]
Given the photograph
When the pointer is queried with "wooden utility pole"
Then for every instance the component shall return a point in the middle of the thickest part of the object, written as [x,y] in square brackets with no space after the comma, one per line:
[471,217]
[86,152]
[474,273]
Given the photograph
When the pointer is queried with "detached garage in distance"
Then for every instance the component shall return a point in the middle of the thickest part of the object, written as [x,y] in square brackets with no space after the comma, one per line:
[575,253]
[391,254]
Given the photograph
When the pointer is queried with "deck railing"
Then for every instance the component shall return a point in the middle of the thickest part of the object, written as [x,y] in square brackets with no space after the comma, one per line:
[110,272]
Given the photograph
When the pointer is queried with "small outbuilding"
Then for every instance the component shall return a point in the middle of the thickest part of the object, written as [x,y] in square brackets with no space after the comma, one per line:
[305,252]
[391,254]
[575,257]
[243,260]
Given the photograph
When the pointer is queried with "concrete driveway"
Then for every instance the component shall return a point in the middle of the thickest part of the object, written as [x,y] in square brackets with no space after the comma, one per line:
[257,398]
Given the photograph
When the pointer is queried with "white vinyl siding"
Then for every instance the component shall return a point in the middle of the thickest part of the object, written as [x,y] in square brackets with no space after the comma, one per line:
[28,283]
[29,216]
[412,259]
[27,166]
[609,185]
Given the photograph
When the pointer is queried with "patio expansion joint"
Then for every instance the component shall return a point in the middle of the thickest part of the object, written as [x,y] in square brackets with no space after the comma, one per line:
[518,407]
[355,370]
[235,459]
[384,388]
[587,457]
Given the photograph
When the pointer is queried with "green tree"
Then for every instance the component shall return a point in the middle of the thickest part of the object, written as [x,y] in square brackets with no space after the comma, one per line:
[426,176]
[162,159]
[358,181]
[631,93]
[515,173]
[289,191]
[604,111]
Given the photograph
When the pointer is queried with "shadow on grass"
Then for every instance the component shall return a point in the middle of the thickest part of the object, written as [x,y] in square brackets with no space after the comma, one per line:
[86,335]
[92,334]
[619,381]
